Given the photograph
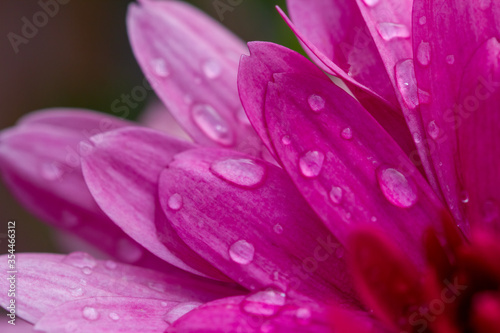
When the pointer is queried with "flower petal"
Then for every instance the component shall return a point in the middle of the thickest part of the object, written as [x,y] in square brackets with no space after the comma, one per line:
[345,165]
[454,31]
[156,116]
[337,39]
[192,63]
[107,314]
[122,173]
[44,281]
[40,162]
[20,326]
[246,218]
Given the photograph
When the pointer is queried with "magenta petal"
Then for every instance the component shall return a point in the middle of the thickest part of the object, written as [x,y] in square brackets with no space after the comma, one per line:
[192,63]
[107,314]
[122,172]
[20,326]
[449,33]
[345,165]
[479,137]
[45,281]
[246,218]
[243,314]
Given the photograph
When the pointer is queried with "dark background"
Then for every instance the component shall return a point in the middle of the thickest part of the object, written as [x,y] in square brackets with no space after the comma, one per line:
[82,58]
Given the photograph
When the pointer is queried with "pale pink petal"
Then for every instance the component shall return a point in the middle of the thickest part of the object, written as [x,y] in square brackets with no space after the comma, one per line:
[45,281]
[192,63]
[157,116]
[450,32]
[246,218]
[346,166]
[122,172]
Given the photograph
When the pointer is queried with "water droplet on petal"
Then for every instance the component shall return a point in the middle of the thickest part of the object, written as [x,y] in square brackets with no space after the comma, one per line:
[157,286]
[464,196]
[373,219]
[264,303]
[159,67]
[87,270]
[179,311]
[175,201]
[90,313]
[51,171]
[424,53]
[450,59]
[76,292]
[371,3]
[286,140]
[433,130]
[491,211]
[80,260]
[336,194]
[243,172]
[114,316]
[212,124]
[398,190]
[110,264]
[311,163]
[212,69]
[422,20]
[407,83]
[346,133]
[388,30]
[278,229]
[316,102]
[242,252]
[303,316]
[128,251]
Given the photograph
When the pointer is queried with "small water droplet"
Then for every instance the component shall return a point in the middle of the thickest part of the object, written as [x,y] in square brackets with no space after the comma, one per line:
[278,229]
[110,264]
[424,53]
[243,172]
[276,275]
[164,304]
[179,311]
[316,102]
[371,3]
[450,59]
[76,292]
[175,201]
[212,124]
[90,313]
[159,67]
[346,133]
[264,303]
[491,211]
[128,251]
[286,140]
[464,196]
[242,252]
[422,20]
[398,190]
[388,30]
[303,316]
[336,194]
[433,129]
[311,163]
[80,260]
[87,270]
[407,83]
[51,171]
[114,316]
[212,69]
[373,219]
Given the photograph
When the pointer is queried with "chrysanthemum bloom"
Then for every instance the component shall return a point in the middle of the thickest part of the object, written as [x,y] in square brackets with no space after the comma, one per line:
[298,208]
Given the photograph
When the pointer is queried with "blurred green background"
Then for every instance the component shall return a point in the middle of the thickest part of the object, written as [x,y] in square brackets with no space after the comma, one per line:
[82,58]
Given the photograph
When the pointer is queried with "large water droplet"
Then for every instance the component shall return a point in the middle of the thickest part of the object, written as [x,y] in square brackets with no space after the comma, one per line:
[311,163]
[242,252]
[212,124]
[212,69]
[80,260]
[159,67]
[179,311]
[316,102]
[114,316]
[51,171]
[424,53]
[278,229]
[388,30]
[90,313]
[491,211]
[407,83]
[336,194]
[264,303]
[371,3]
[128,251]
[239,171]
[175,201]
[286,140]
[433,129]
[450,59]
[422,20]
[303,316]
[399,190]
[346,133]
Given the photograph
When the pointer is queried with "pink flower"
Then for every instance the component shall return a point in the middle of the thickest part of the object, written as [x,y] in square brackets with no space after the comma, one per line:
[297,207]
